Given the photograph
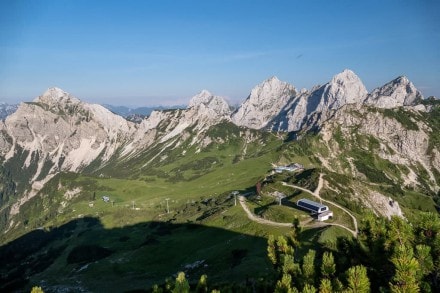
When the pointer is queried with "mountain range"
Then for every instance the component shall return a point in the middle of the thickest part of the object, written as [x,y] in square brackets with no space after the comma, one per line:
[374,147]
[140,111]
[7,109]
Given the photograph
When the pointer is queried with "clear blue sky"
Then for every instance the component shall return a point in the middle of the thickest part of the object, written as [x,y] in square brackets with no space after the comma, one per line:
[164,52]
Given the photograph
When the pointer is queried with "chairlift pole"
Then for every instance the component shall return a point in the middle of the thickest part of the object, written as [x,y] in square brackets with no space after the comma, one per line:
[168,208]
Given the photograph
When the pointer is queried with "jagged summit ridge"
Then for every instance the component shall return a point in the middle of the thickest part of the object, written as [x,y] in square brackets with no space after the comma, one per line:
[264,102]
[396,93]
[204,97]
[215,103]
[277,105]
[55,95]
[344,88]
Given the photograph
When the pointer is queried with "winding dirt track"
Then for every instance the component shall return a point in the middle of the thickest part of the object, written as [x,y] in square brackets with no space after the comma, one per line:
[315,193]
[254,218]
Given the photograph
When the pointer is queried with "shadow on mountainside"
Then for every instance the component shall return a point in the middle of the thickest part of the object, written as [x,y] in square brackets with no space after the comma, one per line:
[82,255]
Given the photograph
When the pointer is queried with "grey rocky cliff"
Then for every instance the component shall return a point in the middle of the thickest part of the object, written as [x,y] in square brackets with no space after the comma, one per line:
[344,88]
[264,102]
[399,92]
[398,144]
[63,131]
[215,104]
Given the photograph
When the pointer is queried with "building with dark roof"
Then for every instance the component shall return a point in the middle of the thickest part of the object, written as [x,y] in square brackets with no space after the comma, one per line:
[312,206]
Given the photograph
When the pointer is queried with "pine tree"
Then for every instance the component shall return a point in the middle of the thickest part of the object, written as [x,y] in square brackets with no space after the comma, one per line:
[289,265]
[309,289]
[37,289]
[272,249]
[283,246]
[407,267]
[337,285]
[399,233]
[202,285]
[428,226]
[284,285]
[357,280]
[325,286]
[296,225]
[308,267]
[328,266]
[423,256]
[181,285]
[277,249]
[157,289]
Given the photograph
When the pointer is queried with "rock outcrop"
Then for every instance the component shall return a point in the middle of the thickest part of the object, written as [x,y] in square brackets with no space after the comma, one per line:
[264,102]
[397,93]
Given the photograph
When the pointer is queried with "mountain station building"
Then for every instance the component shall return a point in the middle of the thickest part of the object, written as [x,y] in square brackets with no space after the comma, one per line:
[322,212]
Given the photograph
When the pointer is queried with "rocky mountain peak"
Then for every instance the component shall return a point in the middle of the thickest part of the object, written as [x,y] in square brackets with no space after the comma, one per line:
[271,85]
[401,79]
[218,104]
[56,95]
[272,79]
[264,102]
[398,92]
[347,87]
[346,76]
[201,98]
[344,88]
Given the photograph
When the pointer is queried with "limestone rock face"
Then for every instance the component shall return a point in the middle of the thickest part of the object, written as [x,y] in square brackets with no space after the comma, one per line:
[57,132]
[264,102]
[399,92]
[344,88]
[398,144]
[216,105]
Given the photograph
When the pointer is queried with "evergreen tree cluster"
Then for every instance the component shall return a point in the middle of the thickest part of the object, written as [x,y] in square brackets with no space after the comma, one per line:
[389,256]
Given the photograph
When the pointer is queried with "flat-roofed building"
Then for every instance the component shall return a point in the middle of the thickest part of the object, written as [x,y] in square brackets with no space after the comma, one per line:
[325,216]
[322,212]
[313,206]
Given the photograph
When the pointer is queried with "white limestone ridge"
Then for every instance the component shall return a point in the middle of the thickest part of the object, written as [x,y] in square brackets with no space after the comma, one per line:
[264,102]
[398,92]
[344,88]
[218,104]
[56,95]
[63,130]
